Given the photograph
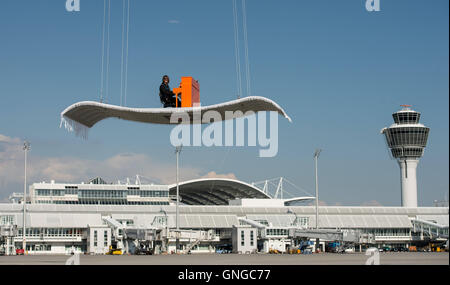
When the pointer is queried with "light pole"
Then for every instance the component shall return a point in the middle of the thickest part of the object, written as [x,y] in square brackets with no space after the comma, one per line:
[177,152]
[316,156]
[26,148]
[167,228]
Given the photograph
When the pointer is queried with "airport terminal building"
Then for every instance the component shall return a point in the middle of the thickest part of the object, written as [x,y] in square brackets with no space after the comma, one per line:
[214,215]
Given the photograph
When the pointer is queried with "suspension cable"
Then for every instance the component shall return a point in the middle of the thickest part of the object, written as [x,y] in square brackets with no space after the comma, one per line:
[236,51]
[247,63]
[107,50]
[126,60]
[103,51]
[271,182]
[121,61]
[297,187]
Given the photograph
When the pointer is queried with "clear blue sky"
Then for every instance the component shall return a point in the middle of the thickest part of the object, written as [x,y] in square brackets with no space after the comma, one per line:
[338,70]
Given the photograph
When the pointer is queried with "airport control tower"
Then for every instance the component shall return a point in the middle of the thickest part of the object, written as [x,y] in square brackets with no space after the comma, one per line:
[406,139]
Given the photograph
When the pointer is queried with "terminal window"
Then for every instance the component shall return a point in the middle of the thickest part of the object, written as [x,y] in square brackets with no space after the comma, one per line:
[6,220]
[105,238]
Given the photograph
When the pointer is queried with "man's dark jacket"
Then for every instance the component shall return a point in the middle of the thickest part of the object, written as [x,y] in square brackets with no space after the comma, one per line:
[165,94]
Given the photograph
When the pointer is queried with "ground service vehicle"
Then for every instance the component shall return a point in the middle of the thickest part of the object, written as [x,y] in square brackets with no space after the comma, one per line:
[113,250]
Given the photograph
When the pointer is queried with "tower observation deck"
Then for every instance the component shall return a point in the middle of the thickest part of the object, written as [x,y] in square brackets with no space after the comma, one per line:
[406,139]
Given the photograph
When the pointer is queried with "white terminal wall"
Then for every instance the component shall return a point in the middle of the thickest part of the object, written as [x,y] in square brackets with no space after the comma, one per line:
[257,202]
[244,239]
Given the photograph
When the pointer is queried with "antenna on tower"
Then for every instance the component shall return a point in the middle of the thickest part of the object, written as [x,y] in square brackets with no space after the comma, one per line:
[406,107]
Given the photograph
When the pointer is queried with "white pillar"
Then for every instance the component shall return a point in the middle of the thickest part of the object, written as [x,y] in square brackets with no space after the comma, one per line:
[409,181]
[266,246]
[8,246]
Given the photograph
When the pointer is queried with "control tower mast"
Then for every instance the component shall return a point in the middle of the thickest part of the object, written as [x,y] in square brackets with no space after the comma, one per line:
[406,139]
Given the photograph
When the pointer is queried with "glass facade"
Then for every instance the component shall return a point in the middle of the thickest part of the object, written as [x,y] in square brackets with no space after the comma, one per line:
[105,238]
[263,222]
[406,117]
[71,190]
[301,221]
[6,220]
[100,196]
[102,202]
[50,232]
[39,247]
[154,193]
[277,232]
[46,192]
[407,152]
[126,222]
[160,220]
[407,136]
[388,232]
[407,141]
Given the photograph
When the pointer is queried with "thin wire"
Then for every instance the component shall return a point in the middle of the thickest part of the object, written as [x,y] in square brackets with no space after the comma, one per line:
[247,62]
[121,62]
[264,181]
[221,166]
[126,60]
[103,51]
[107,50]
[270,181]
[298,188]
[290,194]
[236,51]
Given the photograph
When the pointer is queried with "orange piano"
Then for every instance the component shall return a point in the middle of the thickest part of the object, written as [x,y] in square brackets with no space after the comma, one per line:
[189,91]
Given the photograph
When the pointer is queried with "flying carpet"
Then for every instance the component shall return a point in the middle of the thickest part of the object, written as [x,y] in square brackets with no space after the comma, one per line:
[82,116]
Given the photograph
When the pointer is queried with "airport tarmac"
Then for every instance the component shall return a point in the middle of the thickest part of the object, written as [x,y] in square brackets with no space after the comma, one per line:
[398,258]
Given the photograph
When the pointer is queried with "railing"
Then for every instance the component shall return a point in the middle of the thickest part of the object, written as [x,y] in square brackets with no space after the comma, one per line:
[192,245]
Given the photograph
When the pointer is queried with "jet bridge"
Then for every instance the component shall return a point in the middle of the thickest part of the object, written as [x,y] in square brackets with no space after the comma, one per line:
[331,235]
[432,230]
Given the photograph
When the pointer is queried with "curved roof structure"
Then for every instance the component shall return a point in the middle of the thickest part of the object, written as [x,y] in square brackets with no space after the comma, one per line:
[215,191]
[288,202]
[84,115]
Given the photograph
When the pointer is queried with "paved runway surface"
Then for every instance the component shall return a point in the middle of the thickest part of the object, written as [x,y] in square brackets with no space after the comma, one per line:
[400,258]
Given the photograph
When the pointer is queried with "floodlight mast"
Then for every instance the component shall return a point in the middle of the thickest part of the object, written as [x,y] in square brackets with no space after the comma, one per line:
[316,156]
[177,152]
[26,148]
